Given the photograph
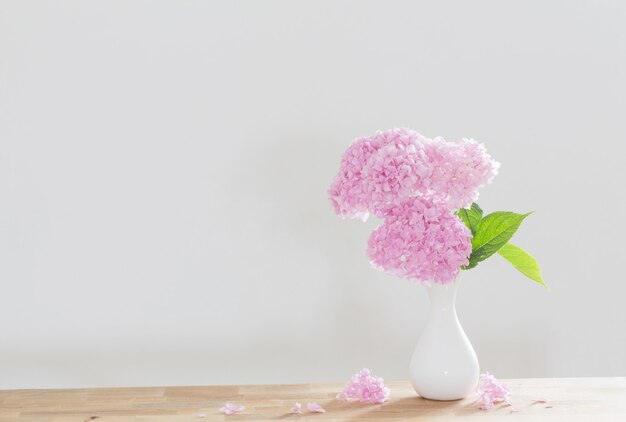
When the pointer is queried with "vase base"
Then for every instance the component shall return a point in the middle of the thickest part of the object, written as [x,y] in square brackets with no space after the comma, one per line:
[440,399]
[445,392]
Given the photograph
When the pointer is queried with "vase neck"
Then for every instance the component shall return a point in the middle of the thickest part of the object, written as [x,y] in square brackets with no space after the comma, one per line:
[442,296]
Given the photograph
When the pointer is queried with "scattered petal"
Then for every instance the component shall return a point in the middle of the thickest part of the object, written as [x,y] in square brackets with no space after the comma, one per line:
[491,392]
[315,408]
[229,409]
[366,388]
[296,409]
[200,415]
[540,400]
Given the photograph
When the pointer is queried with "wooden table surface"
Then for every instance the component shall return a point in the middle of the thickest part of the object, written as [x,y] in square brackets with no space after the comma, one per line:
[568,400]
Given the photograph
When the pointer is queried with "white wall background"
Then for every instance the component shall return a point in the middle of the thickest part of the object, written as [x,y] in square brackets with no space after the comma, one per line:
[163,175]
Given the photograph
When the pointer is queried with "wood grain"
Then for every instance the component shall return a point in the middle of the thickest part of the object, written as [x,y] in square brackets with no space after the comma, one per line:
[569,400]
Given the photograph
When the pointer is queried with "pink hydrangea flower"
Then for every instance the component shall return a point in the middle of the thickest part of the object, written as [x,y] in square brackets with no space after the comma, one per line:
[347,191]
[422,240]
[491,392]
[230,409]
[366,388]
[459,170]
[397,171]
[369,177]
[382,170]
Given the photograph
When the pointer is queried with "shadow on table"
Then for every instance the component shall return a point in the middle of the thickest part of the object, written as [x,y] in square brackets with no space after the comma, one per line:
[401,408]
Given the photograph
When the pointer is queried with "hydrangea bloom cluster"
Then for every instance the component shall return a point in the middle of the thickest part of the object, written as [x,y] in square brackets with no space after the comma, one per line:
[491,392]
[366,388]
[458,170]
[414,183]
[379,171]
[420,239]
[374,170]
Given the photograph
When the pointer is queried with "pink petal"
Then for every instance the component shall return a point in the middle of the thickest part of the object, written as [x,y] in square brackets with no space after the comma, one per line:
[315,408]
[366,388]
[490,392]
[229,409]
[296,409]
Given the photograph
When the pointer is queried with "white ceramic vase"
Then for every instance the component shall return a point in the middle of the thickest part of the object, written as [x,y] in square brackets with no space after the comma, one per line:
[444,365]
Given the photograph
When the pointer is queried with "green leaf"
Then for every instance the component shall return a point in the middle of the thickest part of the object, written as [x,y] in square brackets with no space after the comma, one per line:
[471,216]
[493,232]
[523,261]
